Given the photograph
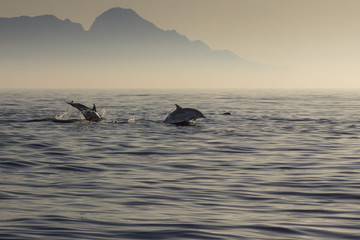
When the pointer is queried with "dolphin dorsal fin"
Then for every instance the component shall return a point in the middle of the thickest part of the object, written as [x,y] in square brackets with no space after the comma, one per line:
[94,107]
[178,107]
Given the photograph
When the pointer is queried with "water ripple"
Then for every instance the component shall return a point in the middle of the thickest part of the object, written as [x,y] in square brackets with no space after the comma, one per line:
[283,165]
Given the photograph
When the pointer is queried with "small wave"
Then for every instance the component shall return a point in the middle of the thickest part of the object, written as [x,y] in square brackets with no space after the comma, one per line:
[63,119]
[39,120]
[68,120]
[37,145]
[329,195]
[286,119]
[75,168]
[278,229]
[4,196]
[317,231]
[11,163]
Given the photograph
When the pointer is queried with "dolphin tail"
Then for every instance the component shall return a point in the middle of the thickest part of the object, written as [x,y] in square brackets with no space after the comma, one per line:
[94,108]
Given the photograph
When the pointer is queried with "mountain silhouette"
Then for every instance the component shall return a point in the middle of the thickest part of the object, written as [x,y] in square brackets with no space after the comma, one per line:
[122,22]
[35,30]
[118,32]
[120,45]
[38,37]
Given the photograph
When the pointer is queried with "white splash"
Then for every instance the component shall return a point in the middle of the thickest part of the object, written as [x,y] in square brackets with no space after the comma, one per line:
[62,116]
[131,120]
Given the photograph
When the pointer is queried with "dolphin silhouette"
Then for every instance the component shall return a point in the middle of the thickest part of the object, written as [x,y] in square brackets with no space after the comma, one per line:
[184,116]
[90,114]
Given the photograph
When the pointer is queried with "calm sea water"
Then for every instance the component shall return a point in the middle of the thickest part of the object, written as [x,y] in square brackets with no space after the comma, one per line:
[283,165]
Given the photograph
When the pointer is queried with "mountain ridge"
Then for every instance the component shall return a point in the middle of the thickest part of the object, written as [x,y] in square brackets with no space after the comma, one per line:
[117,29]
[119,49]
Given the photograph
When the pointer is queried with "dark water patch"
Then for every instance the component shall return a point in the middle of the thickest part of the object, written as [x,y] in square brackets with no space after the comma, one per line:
[145,204]
[251,197]
[69,121]
[185,166]
[332,234]
[341,216]
[275,229]
[340,133]
[57,152]
[170,234]
[10,163]
[38,120]
[232,150]
[156,197]
[150,153]
[325,195]
[291,119]
[72,120]
[287,149]
[34,232]
[300,184]
[312,211]
[57,219]
[42,145]
[119,166]
[76,168]
[15,236]
[6,196]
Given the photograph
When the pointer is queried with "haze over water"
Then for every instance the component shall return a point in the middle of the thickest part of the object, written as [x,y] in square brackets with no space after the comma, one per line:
[283,165]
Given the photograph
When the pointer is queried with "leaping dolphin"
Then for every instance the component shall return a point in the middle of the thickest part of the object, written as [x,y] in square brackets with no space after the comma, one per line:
[90,114]
[184,116]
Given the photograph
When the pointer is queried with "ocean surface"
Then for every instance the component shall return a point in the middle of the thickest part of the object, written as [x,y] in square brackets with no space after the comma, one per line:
[282,165]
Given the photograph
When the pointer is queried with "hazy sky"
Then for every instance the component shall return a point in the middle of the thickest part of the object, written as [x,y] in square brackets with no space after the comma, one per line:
[318,38]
